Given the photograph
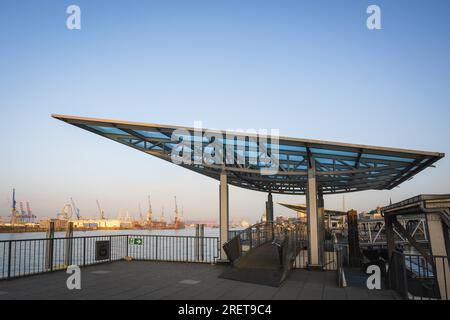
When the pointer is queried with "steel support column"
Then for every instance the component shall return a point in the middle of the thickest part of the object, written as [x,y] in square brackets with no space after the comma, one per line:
[354,251]
[438,248]
[224,213]
[315,261]
[269,208]
[389,227]
[321,225]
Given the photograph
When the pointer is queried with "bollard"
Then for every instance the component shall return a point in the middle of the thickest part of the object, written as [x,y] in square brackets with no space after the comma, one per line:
[49,247]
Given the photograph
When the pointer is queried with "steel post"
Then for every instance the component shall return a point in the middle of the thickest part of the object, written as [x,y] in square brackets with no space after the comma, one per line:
[224,213]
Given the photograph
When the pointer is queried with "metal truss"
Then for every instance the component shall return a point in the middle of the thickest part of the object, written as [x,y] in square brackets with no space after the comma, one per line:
[373,231]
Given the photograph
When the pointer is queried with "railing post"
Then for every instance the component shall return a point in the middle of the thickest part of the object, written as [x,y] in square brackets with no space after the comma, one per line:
[52,242]
[156,248]
[84,251]
[258,235]
[187,249]
[9,258]
[202,235]
[128,240]
[197,234]
[110,249]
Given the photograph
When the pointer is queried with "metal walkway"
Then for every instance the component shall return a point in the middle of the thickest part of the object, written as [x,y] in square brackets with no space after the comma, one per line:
[261,266]
[263,253]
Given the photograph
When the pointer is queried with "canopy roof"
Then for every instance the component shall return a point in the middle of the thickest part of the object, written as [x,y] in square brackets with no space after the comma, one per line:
[303,209]
[340,167]
[420,204]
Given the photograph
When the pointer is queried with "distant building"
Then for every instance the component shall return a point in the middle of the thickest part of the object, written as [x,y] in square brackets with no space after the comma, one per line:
[126,224]
[208,223]
[59,223]
[97,223]
[244,223]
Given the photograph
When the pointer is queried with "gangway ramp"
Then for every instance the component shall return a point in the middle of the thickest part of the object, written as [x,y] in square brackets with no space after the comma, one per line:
[261,266]
[262,254]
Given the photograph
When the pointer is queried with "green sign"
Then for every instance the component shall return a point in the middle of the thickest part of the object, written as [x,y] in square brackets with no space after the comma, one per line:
[136,241]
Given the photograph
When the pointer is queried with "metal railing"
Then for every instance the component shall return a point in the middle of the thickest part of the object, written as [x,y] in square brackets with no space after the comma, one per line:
[289,239]
[415,278]
[20,258]
[341,254]
[234,233]
[330,255]
[340,261]
[256,235]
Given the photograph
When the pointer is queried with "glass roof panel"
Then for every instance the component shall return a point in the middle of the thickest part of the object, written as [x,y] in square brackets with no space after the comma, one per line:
[108,130]
[295,158]
[384,157]
[288,147]
[152,134]
[324,160]
[333,152]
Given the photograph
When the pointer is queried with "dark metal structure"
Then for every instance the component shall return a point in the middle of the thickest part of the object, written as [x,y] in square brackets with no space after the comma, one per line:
[353,239]
[340,167]
[426,272]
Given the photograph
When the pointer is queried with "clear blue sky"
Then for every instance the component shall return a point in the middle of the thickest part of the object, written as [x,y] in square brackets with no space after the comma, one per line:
[309,68]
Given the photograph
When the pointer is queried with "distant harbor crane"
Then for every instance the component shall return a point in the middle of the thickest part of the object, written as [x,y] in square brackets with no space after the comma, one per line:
[149,212]
[178,223]
[176,209]
[75,209]
[100,210]
[14,212]
[21,216]
[162,219]
[141,216]
[30,215]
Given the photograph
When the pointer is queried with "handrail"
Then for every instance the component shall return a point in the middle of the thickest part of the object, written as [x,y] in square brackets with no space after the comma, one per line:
[109,236]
